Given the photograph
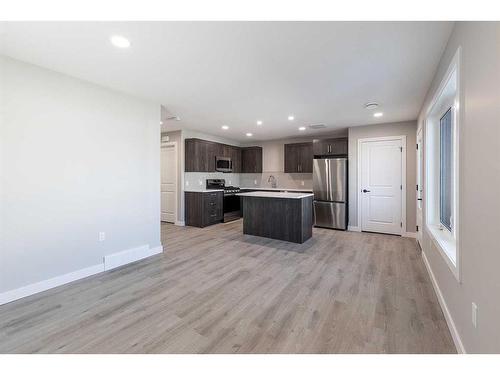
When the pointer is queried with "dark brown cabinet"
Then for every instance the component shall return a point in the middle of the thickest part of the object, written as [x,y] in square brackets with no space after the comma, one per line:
[235,155]
[200,156]
[203,208]
[299,157]
[330,147]
[251,160]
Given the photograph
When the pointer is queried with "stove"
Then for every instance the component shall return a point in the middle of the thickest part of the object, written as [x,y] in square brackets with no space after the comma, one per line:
[231,190]
[231,206]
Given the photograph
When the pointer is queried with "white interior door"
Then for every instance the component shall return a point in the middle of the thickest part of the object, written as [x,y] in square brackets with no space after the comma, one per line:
[168,165]
[381,186]
[420,184]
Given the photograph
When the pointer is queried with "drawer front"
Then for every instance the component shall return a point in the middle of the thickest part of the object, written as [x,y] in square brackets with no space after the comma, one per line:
[212,207]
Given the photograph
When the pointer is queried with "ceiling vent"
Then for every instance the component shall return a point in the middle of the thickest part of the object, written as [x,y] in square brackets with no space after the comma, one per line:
[317,126]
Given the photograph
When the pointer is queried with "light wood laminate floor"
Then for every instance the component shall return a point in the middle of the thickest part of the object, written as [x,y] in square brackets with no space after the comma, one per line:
[215,290]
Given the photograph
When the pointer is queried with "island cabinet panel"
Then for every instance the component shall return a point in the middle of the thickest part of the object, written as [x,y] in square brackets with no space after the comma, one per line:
[251,160]
[279,218]
[330,147]
[298,157]
[203,208]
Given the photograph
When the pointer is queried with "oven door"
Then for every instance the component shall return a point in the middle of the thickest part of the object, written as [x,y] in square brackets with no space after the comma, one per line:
[232,209]
[223,164]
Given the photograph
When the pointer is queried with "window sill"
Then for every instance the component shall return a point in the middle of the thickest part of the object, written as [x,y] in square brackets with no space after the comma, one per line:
[446,245]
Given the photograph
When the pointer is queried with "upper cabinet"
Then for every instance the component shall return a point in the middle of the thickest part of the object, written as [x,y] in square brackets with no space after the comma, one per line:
[235,155]
[330,147]
[299,157]
[251,159]
[200,156]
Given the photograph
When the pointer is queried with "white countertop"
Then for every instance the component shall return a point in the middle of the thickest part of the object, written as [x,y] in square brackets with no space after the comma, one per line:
[272,194]
[274,189]
[202,190]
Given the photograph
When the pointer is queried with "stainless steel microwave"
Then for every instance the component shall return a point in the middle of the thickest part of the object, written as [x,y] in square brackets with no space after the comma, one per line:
[223,164]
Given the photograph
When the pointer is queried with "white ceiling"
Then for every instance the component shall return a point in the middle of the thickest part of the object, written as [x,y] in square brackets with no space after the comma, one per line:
[235,73]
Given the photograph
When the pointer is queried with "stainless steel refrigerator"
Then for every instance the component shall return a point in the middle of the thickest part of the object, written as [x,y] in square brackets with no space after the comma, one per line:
[330,193]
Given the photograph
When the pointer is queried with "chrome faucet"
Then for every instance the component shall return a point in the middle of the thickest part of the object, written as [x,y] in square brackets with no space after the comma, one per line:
[272,180]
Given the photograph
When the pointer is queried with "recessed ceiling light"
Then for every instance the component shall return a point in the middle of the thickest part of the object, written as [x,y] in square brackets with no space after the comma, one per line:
[378,114]
[120,41]
[291,118]
[371,105]
[302,128]
[259,122]
[249,134]
[225,127]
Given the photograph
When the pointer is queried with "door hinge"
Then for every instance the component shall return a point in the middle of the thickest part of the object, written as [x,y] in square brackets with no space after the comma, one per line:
[417,228]
[401,149]
[401,224]
[417,187]
[401,187]
[417,146]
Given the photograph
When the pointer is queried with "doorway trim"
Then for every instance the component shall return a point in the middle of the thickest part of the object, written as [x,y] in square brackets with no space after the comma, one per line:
[176,172]
[402,138]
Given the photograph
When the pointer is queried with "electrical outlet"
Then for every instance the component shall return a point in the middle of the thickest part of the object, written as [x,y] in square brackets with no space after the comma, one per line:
[102,236]
[187,183]
[255,182]
[200,182]
[302,182]
[474,315]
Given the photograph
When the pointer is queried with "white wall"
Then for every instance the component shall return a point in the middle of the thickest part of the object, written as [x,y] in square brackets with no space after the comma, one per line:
[479,181]
[409,129]
[76,159]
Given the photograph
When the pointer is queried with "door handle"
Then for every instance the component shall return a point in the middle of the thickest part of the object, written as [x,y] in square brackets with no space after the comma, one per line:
[365,191]
[419,199]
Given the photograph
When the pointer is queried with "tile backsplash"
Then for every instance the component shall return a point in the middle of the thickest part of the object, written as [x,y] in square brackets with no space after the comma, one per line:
[197,180]
[283,180]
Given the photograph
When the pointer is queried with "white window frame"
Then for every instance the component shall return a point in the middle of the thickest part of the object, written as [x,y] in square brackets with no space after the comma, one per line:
[445,241]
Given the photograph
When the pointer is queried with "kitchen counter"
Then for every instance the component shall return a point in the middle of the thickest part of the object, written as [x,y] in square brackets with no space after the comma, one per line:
[202,190]
[275,189]
[282,216]
[275,194]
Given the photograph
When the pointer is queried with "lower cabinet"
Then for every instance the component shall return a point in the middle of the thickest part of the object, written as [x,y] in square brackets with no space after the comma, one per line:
[203,208]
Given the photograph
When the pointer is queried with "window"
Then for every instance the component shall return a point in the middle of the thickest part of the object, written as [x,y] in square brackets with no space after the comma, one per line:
[446,170]
[441,219]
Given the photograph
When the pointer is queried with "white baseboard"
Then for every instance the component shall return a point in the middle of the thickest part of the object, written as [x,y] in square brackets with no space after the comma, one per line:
[109,262]
[353,228]
[180,223]
[128,256]
[449,320]
[410,234]
[53,282]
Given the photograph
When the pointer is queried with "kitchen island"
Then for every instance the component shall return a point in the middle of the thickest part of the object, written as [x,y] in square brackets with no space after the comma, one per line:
[277,215]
